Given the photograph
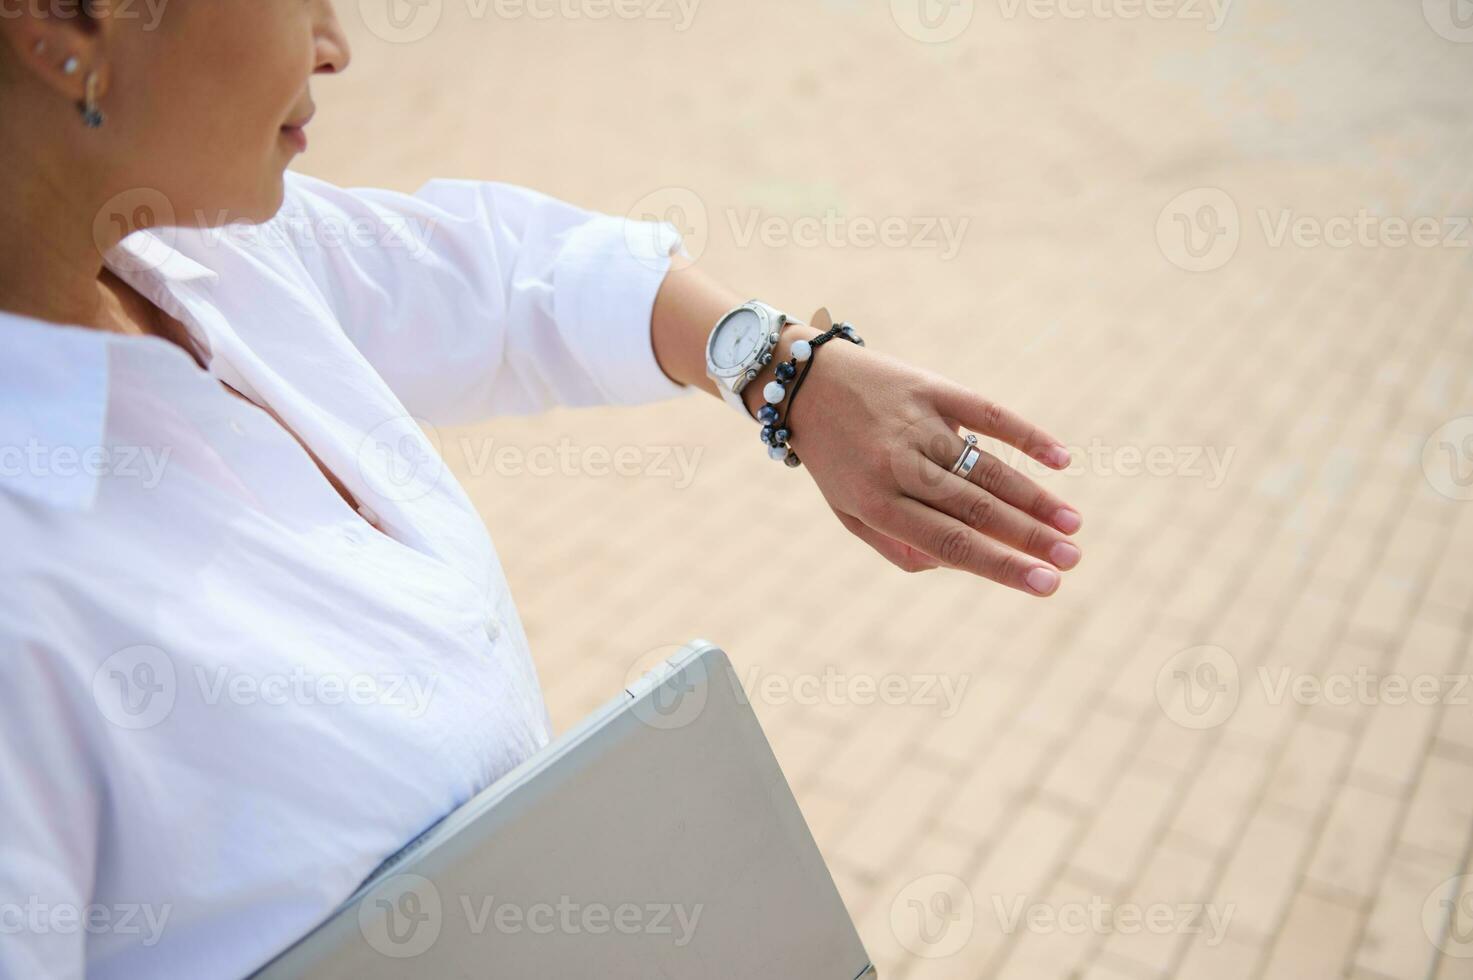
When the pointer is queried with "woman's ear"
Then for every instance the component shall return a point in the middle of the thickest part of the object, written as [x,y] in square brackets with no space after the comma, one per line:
[59,49]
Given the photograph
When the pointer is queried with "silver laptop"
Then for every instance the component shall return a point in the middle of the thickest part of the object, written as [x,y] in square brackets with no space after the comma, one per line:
[658,839]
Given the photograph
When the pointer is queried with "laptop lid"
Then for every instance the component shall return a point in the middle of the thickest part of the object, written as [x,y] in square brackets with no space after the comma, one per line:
[658,838]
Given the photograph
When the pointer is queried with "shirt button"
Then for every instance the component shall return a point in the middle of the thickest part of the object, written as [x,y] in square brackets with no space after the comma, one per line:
[237,428]
[493,629]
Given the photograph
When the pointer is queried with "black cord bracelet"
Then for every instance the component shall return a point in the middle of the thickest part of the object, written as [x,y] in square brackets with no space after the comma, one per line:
[776,431]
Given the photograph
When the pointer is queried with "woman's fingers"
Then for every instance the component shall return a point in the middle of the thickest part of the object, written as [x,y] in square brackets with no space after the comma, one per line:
[953,543]
[1002,481]
[988,417]
[986,512]
[927,478]
[899,554]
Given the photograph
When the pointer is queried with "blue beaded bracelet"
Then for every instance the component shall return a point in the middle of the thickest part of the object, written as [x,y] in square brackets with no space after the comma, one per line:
[776,432]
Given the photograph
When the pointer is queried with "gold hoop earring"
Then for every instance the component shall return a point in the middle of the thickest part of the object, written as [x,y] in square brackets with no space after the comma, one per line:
[92,116]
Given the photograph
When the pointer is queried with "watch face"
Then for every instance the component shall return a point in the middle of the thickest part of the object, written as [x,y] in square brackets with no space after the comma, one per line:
[738,337]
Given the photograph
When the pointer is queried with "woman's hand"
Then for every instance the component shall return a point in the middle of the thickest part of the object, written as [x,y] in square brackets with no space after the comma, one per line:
[879,438]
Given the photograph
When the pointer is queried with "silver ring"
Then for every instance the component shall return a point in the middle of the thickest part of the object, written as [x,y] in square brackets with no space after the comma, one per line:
[966,451]
[965,470]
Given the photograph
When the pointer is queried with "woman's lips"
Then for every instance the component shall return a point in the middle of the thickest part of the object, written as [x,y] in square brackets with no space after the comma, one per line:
[296,136]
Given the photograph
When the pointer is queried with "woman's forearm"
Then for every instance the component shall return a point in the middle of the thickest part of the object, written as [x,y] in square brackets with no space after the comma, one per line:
[686,308]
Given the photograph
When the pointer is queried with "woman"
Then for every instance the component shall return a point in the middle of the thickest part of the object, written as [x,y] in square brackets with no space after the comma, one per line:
[253,637]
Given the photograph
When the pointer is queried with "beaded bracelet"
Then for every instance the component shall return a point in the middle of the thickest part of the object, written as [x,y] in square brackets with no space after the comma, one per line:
[776,432]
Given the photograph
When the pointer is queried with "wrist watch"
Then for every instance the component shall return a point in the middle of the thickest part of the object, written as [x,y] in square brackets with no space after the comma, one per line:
[741,345]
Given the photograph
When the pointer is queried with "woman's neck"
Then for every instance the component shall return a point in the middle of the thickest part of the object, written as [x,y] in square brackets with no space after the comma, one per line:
[51,242]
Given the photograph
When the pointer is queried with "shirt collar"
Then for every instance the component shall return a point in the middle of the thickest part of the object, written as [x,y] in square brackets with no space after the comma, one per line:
[54,382]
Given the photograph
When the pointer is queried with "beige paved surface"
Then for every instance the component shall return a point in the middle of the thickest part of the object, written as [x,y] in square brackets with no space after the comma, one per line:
[1151,741]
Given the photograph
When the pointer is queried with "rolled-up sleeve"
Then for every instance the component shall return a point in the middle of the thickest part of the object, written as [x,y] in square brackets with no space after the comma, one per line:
[475,299]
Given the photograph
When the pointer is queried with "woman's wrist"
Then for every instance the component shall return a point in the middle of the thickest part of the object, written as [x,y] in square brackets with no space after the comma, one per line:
[752,394]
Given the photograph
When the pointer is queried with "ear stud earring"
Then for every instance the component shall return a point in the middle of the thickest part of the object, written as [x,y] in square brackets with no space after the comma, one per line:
[71,65]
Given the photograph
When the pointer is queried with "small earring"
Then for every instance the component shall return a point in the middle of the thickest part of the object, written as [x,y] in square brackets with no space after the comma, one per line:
[92,116]
[71,65]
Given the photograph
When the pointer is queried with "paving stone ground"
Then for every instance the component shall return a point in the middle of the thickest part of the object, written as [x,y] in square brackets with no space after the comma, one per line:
[1230,266]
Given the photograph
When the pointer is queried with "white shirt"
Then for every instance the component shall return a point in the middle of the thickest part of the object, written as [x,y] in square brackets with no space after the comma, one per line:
[225,697]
